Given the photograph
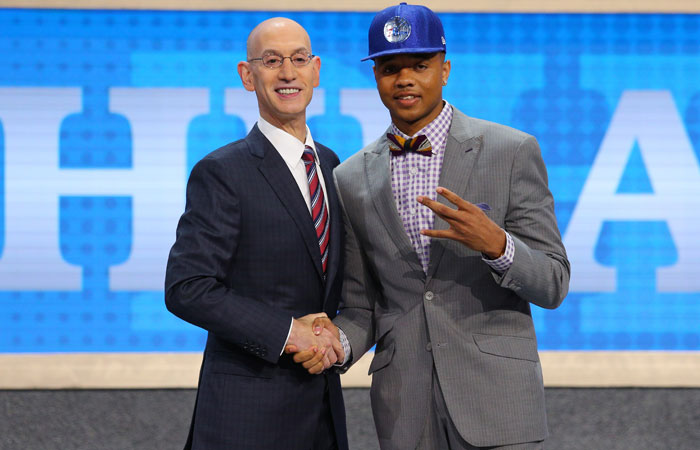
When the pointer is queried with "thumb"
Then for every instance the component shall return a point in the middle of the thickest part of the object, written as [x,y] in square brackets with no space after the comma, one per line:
[319,324]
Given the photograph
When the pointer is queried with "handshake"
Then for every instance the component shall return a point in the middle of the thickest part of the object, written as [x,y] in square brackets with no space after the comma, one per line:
[315,342]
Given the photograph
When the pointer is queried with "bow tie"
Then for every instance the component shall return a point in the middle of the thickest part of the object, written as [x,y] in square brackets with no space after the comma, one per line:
[400,145]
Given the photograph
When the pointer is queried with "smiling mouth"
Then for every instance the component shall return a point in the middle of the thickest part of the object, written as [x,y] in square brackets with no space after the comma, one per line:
[406,100]
[288,91]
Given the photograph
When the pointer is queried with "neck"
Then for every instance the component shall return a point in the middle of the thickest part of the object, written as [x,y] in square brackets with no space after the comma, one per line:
[296,126]
[411,128]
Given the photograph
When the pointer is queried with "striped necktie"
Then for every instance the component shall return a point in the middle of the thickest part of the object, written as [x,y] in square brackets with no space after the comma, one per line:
[319,212]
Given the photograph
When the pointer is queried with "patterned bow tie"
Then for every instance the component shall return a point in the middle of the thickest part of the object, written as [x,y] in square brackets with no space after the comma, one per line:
[419,144]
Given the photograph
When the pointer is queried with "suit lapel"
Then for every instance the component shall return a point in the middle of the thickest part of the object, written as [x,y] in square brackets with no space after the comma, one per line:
[277,174]
[461,153]
[378,172]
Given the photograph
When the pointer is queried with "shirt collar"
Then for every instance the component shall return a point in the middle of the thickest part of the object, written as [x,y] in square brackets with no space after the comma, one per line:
[436,131]
[289,147]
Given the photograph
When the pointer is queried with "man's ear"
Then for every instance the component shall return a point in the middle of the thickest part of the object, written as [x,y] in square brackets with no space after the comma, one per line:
[446,66]
[246,74]
[317,70]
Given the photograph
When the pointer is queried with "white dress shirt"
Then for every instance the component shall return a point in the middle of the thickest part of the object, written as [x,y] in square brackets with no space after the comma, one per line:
[291,149]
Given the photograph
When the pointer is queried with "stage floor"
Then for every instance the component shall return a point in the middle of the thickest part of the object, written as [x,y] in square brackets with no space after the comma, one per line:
[579,419]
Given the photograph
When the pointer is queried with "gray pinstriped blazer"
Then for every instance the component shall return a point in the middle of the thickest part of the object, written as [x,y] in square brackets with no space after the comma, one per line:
[472,324]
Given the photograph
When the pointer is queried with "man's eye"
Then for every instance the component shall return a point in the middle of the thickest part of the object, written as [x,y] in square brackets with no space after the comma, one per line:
[421,66]
[389,69]
[272,60]
[299,59]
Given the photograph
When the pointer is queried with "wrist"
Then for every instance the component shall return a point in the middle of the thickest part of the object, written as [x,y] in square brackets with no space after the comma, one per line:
[294,333]
[499,247]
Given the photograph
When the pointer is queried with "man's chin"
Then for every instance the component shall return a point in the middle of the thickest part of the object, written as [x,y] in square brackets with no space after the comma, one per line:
[287,114]
[406,118]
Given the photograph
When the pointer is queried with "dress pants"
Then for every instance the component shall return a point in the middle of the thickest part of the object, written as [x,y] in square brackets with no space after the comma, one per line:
[440,432]
[324,438]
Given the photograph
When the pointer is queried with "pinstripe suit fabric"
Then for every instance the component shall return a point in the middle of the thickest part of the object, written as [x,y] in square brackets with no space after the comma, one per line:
[246,260]
[473,325]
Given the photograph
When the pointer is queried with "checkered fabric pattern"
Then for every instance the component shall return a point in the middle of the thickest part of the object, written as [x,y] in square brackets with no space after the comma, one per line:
[412,175]
[503,263]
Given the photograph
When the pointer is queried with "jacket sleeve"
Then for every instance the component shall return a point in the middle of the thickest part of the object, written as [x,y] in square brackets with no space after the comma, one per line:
[540,271]
[356,316]
[195,288]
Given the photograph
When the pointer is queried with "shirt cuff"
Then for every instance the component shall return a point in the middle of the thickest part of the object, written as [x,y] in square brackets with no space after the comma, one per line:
[346,348]
[502,263]
[291,324]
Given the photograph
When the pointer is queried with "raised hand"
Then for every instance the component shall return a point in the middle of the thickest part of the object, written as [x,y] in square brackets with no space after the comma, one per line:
[468,224]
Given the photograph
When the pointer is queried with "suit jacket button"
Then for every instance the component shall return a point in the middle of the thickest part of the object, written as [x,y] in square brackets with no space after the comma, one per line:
[429,347]
[429,296]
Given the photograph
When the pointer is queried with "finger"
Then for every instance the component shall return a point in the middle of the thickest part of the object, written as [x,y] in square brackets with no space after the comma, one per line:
[326,362]
[318,363]
[305,355]
[315,361]
[331,331]
[306,361]
[320,323]
[438,208]
[440,234]
[332,356]
[291,349]
[318,368]
[338,349]
[453,198]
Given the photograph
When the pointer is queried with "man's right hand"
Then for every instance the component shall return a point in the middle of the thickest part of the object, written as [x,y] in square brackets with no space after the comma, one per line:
[312,360]
[323,322]
[315,351]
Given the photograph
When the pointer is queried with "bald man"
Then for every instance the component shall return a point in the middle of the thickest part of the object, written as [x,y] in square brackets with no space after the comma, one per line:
[259,243]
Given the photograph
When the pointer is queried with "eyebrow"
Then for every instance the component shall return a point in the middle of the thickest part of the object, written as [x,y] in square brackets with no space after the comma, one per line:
[300,49]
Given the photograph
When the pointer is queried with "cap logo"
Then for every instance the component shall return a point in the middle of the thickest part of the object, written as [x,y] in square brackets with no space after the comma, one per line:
[397,29]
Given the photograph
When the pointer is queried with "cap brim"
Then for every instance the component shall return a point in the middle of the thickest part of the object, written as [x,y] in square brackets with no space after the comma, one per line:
[396,51]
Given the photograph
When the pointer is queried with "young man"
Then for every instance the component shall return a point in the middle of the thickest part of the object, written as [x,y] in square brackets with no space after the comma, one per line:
[450,235]
[258,246]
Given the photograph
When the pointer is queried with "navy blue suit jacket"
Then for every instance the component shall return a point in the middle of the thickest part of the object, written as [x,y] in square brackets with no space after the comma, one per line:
[246,260]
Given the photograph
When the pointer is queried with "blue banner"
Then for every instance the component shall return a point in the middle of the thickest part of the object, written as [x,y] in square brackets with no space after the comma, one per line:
[103,114]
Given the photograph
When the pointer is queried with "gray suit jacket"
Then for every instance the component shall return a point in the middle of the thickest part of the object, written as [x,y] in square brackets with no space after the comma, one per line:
[472,324]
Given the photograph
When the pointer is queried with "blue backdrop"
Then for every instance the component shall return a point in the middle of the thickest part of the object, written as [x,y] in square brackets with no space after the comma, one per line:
[103,114]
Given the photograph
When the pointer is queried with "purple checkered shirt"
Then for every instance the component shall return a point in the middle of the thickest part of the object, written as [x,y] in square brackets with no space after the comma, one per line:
[413,174]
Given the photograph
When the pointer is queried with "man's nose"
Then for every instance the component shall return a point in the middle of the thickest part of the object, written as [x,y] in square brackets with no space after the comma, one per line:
[287,71]
[405,78]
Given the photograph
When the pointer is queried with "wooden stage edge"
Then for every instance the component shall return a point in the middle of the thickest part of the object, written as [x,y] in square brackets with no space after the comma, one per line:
[180,370]
[509,6]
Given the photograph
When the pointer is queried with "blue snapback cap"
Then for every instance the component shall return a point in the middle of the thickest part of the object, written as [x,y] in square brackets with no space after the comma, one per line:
[405,29]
